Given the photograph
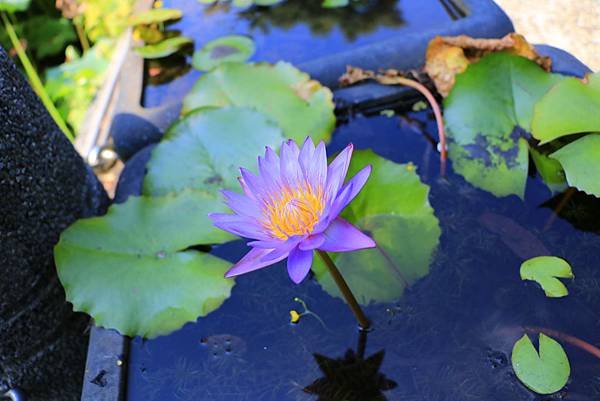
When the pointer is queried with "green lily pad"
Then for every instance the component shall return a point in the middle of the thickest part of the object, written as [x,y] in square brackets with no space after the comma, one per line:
[544,373]
[205,149]
[300,106]
[164,48]
[570,107]
[581,161]
[130,269]
[549,169]
[155,16]
[228,49]
[487,114]
[393,208]
[14,5]
[545,270]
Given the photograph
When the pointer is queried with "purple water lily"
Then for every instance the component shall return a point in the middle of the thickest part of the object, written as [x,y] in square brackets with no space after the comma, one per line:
[292,208]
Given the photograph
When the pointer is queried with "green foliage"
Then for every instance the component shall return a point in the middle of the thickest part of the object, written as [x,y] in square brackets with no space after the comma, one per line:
[545,270]
[570,107]
[48,36]
[228,49]
[544,373]
[393,208]
[335,3]
[488,107]
[164,48]
[72,85]
[581,161]
[14,5]
[549,169]
[106,18]
[205,149]
[130,269]
[299,105]
[155,16]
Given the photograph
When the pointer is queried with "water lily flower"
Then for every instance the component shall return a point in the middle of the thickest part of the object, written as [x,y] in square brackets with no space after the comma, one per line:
[292,207]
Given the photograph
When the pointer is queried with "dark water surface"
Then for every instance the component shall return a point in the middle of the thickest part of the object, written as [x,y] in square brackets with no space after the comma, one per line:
[450,335]
[296,31]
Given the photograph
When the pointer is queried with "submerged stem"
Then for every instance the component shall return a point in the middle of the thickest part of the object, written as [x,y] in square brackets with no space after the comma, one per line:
[345,290]
[584,345]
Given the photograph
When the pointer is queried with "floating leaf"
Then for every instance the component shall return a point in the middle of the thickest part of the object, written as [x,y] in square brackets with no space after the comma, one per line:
[155,16]
[298,104]
[228,49]
[571,106]
[165,48]
[205,149]
[130,269]
[487,114]
[14,5]
[544,373]
[394,209]
[544,270]
[581,161]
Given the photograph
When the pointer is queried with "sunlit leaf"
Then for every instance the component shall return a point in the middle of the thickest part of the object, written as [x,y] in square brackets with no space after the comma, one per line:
[335,3]
[245,3]
[155,16]
[581,161]
[544,373]
[394,209]
[164,48]
[549,169]
[488,112]
[545,270]
[300,106]
[228,49]
[569,107]
[130,269]
[205,149]
[14,5]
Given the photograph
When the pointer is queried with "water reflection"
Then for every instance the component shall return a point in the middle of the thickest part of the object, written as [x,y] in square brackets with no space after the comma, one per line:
[351,377]
[360,17]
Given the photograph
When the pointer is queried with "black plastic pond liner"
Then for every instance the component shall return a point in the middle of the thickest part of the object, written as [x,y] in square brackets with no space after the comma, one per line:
[45,187]
[134,126]
[109,357]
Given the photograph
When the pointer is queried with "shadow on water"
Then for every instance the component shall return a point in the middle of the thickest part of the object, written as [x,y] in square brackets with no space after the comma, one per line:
[447,338]
[358,18]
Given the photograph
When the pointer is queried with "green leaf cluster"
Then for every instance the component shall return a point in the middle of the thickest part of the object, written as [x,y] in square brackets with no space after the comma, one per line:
[159,42]
[505,107]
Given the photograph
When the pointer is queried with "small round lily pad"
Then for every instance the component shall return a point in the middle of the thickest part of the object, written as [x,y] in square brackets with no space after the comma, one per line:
[228,49]
[545,372]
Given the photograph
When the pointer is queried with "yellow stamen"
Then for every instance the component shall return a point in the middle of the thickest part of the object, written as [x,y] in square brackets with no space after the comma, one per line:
[294,211]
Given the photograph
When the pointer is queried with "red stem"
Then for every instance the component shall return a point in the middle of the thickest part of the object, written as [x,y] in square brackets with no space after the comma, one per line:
[587,347]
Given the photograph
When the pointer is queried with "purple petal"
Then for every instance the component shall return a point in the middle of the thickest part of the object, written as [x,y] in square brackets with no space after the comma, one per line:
[238,225]
[298,264]
[339,203]
[336,172]
[306,155]
[312,242]
[241,204]
[254,184]
[246,189]
[349,191]
[283,249]
[342,236]
[291,173]
[250,262]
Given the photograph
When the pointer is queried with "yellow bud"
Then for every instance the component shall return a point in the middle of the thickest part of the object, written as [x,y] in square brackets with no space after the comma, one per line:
[294,316]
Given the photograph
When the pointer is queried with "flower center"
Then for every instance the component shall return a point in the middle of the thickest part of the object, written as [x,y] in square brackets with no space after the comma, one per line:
[294,212]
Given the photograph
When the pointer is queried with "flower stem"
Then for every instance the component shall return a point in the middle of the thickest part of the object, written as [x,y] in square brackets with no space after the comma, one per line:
[34,78]
[345,290]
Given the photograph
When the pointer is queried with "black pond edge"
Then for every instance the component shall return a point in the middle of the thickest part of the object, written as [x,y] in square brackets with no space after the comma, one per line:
[105,377]
[134,126]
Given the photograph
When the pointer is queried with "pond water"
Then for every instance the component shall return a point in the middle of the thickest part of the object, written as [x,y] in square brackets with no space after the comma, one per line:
[295,30]
[448,337]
